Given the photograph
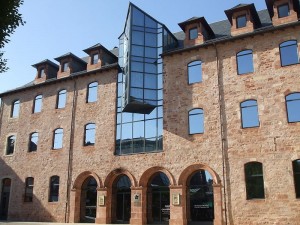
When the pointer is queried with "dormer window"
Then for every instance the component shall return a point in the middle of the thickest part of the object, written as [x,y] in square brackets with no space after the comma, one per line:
[95,58]
[41,72]
[283,10]
[64,67]
[241,21]
[193,33]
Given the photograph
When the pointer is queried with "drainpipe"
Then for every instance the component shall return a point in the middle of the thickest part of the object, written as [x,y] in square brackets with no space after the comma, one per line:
[223,130]
[1,113]
[70,159]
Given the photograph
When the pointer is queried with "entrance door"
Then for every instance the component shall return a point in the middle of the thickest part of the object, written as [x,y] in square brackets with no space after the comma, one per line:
[4,203]
[89,200]
[160,199]
[123,203]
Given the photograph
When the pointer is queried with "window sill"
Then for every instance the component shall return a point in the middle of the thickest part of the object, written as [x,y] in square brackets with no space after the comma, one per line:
[10,155]
[89,147]
[290,64]
[138,153]
[245,74]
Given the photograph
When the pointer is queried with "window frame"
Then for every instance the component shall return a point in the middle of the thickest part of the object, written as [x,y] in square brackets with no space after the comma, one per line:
[241,111]
[193,29]
[51,187]
[58,98]
[280,47]
[8,150]
[85,132]
[28,196]
[200,63]
[13,107]
[34,104]
[89,87]
[55,136]
[284,4]
[247,182]
[237,21]
[237,61]
[189,122]
[93,58]
[286,106]
[30,138]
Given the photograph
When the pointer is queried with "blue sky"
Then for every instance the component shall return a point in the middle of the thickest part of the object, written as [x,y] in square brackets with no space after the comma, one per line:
[55,27]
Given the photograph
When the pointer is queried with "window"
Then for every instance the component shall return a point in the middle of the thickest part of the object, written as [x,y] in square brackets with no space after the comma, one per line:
[61,99]
[10,147]
[64,67]
[92,92]
[296,172]
[193,33]
[54,189]
[195,72]
[249,113]
[245,62]
[196,121]
[241,21]
[95,58]
[289,53]
[33,142]
[37,106]
[58,138]
[254,180]
[293,107]
[283,10]
[28,189]
[41,72]
[15,109]
[89,135]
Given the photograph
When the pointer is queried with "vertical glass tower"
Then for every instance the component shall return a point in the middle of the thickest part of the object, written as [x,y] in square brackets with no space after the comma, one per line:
[140,84]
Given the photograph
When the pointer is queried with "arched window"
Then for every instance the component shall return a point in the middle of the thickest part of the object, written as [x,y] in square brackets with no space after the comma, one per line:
[29,182]
[33,142]
[196,121]
[54,189]
[289,53]
[89,134]
[254,180]
[92,92]
[58,138]
[61,99]
[244,62]
[15,108]
[293,107]
[10,147]
[249,114]
[37,105]
[296,172]
[195,72]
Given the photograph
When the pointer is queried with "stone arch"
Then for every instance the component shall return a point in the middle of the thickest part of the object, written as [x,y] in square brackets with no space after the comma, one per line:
[83,176]
[111,177]
[148,174]
[187,172]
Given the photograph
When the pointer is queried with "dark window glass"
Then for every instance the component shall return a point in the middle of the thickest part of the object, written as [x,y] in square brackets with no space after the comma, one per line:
[193,33]
[289,53]
[15,109]
[38,104]
[95,58]
[29,182]
[92,92]
[65,67]
[249,113]
[293,107]
[241,21]
[283,10]
[196,121]
[61,99]
[11,140]
[89,136]
[195,72]
[254,180]
[54,189]
[245,62]
[58,138]
[296,172]
[41,73]
[33,142]
[138,18]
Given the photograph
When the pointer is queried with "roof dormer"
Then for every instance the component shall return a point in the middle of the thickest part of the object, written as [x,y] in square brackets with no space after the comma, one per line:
[283,11]
[197,31]
[45,70]
[99,56]
[69,63]
[243,19]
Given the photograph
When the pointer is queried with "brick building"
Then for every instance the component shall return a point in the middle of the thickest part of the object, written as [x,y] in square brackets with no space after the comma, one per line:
[197,127]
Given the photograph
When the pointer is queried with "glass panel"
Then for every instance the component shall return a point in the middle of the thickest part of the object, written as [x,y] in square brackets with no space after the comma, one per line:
[150,22]
[15,109]
[34,138]
[137,79]
[250,114]
[296,171]
[38,104]
[193,33]
[137,38]
[289,53]
[136,93]
[137,66]
[58,139]
[10,145]
[150,94]
[293,107]
[150,128]
[245,62]
[150,52]
[196,123]
[137,17]
[150,68]
[195,72]
[90,134]
[92,92]
[151,40]
[137,50]
[62,97]
[241,21]
[54,189]
[283,10]
[254,180]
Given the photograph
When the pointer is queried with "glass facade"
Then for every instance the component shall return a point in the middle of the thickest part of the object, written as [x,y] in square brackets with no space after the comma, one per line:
[140,84]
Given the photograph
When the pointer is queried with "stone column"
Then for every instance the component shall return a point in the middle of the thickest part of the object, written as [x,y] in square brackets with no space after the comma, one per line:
[138,206]
[178,206]
[217,189]
[103,214]
[74,206]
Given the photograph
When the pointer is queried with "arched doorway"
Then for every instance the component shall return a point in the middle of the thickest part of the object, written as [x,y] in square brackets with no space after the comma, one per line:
[4,203]
[158,202]
[88,203]
[200,198]
[121,206]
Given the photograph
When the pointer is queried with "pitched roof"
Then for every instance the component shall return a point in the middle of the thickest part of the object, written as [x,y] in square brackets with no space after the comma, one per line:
[46,61]
[69,54]
[99,46]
